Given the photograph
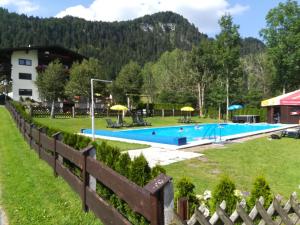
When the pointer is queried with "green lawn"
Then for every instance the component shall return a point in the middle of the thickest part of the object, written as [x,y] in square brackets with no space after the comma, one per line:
[277,160]
[74,125]
[31,195]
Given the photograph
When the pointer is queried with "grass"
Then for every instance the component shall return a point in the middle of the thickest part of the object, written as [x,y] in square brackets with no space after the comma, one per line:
[277,160]
[31,195]
[74,125]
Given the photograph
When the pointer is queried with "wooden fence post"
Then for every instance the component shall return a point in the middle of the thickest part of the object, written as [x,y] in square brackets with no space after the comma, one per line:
[30,134]
[73,111]
[182,208]
[85,176]
[156,189]
[55,138]
[39,144]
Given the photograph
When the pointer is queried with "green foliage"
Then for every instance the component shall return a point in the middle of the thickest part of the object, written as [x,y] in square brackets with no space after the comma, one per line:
[156,170]
[21,109]
[140,171]
[185,188]
[169,106]
[114,44]
[282,39]
[172,78]
[224,191]
[124,165]
[51,82]
[260,188]
[262,112]
[130,81]
[80,79]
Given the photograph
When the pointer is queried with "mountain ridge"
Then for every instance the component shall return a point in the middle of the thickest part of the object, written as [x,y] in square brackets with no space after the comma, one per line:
[142,39]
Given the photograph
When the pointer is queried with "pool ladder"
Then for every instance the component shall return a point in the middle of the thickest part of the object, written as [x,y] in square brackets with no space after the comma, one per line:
[210,133]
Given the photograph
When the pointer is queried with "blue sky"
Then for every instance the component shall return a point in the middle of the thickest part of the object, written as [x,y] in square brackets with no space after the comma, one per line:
[249,14]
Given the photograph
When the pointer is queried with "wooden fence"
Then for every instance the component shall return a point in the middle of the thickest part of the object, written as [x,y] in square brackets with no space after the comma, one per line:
[41,111]
[277,213]
[147,201]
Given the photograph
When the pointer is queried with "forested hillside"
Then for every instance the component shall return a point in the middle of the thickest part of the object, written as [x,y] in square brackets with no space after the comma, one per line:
[114,44]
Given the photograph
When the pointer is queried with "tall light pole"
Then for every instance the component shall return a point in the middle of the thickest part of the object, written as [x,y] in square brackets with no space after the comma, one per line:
[92,111]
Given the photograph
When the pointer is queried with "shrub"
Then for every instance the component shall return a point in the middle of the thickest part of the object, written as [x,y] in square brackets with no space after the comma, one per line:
[260,188]
[140,171]
[156,170]
[124,165]
[185,188]
[224,191]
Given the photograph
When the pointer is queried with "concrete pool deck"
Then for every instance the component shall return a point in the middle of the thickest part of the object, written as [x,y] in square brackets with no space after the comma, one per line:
[160,156]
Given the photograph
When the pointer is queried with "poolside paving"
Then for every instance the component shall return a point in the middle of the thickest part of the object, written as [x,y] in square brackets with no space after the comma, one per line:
[162,156]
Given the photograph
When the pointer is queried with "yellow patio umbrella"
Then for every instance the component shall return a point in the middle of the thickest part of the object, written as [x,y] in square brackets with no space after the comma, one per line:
[187,109]
[119,108]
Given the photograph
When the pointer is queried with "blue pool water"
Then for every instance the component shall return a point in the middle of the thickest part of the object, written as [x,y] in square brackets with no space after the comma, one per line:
[175,135]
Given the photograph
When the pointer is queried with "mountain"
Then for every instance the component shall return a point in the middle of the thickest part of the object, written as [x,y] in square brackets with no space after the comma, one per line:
[115,44]
[251,45]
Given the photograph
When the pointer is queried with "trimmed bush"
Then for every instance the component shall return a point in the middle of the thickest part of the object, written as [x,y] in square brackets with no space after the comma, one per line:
[124,165]
[185,188]
[260,188]
[140,171]
[224,191]
[156,170]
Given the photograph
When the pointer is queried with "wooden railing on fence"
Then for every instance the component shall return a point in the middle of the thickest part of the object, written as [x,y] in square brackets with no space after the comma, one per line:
[148,200]
[277,213]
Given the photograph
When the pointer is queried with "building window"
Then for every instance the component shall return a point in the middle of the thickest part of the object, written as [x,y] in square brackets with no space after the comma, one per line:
[25,92]
[25,76]
[25,62]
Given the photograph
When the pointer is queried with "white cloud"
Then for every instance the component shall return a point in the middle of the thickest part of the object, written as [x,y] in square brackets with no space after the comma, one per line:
[203,13]
[22,6]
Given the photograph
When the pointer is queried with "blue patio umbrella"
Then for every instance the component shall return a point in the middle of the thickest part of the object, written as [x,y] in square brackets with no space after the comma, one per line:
[235,107]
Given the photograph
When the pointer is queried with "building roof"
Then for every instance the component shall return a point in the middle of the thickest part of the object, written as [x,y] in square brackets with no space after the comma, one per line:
[292,98]
[55,48]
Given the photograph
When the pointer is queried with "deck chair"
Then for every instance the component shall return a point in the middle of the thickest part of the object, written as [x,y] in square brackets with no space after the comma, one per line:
[142,121]
[122,123]
[291,132]
[111,124]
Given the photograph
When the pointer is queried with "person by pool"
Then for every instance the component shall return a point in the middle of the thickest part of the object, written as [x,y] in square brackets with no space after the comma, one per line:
[153,133]
[180,129]
[198,127]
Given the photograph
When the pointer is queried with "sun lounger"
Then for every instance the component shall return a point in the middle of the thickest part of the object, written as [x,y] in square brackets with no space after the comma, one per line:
[142,121]
[111,124]
[291,132]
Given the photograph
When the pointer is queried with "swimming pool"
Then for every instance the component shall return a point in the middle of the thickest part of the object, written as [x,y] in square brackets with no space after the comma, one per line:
[181,135]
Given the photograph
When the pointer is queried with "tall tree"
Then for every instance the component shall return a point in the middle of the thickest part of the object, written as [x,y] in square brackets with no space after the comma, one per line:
[129,81]
[203,65]
[258,72]
[228,42]
[172,77]
[80,79]
[51,83]
[149,87]
[282,36]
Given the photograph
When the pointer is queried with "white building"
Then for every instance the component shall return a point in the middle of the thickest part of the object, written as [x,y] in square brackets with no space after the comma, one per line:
[21,66]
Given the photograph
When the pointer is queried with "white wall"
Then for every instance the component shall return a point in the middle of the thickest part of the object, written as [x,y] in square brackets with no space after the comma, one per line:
[16,69]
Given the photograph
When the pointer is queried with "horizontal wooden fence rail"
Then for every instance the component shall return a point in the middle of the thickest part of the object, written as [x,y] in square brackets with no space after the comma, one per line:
[147,201]
[276,213]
